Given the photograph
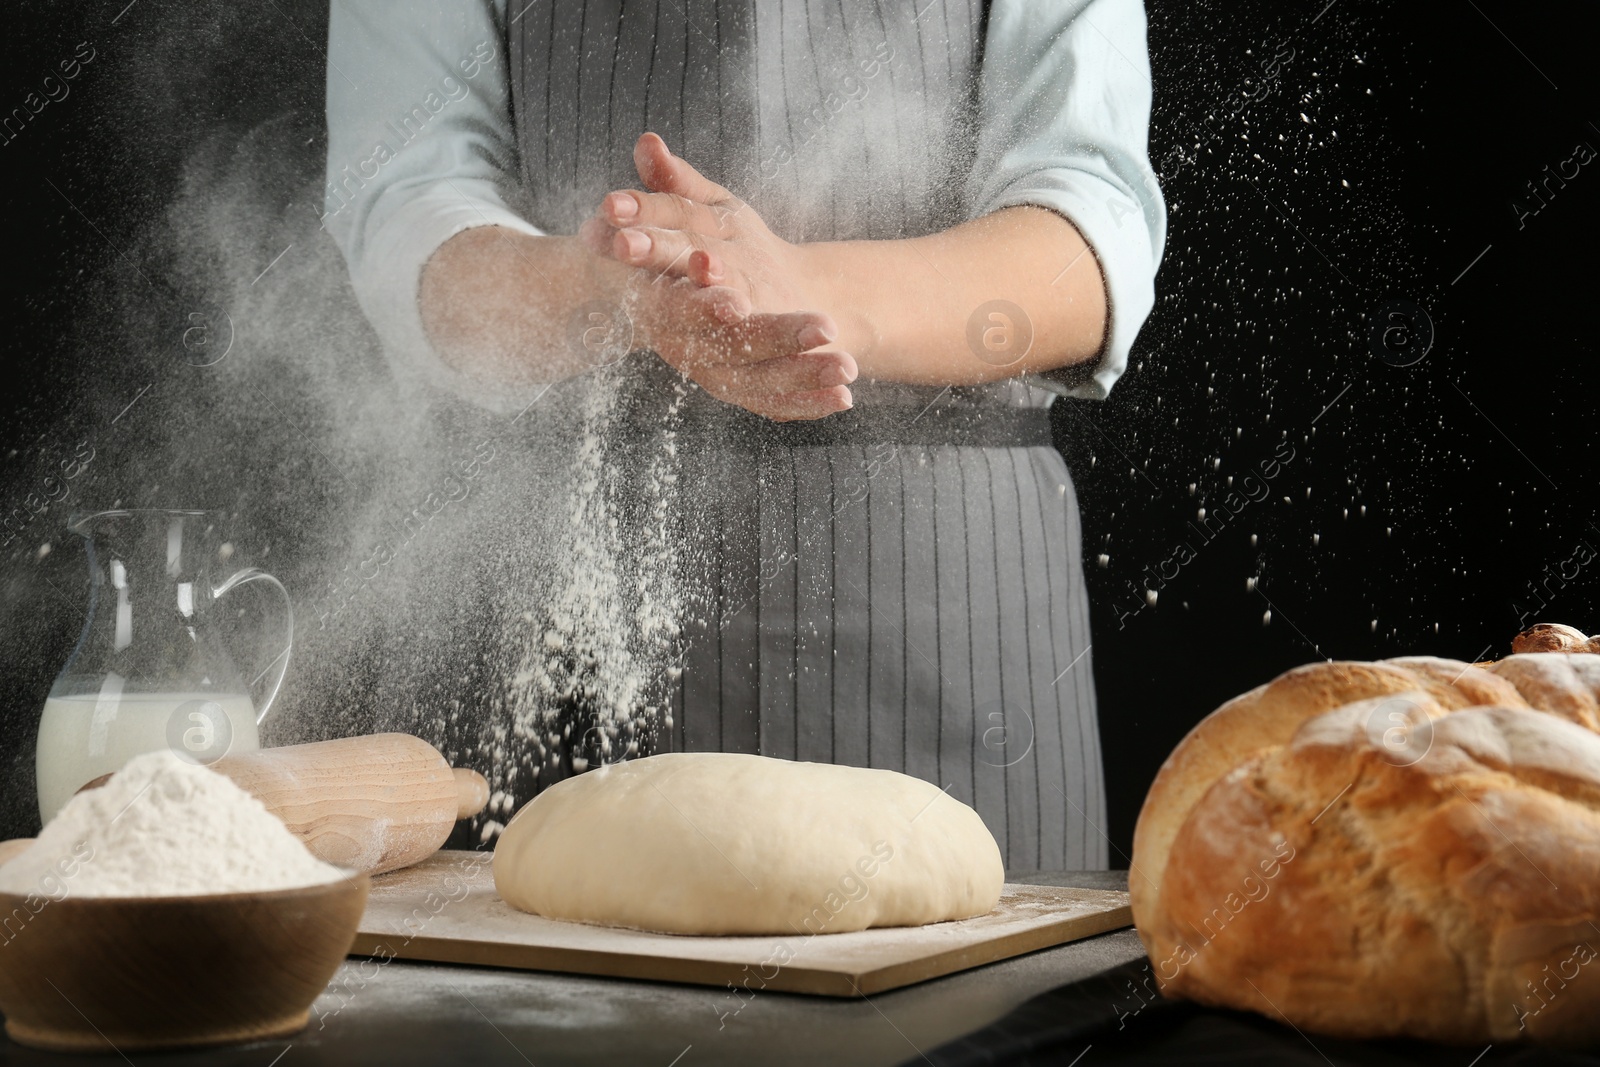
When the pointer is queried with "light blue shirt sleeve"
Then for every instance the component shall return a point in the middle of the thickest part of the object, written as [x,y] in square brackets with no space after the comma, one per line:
[419,148]
[1064,124]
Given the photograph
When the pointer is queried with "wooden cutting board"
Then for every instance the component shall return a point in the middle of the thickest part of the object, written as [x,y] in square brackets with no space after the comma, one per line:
[445,909]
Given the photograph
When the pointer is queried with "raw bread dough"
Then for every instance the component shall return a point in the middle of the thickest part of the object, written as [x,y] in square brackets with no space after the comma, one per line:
[723,843]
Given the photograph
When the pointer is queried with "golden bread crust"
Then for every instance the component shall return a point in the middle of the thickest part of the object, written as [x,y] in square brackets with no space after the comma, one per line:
[1402,848]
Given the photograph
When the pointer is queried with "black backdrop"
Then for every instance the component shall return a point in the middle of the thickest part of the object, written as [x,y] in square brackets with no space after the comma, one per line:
[1357,276]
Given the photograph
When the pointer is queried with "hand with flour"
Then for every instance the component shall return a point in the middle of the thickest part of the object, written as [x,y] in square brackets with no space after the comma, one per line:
[688,226]
[496,305]
[902,306]
[769,363]
[780,329]
[747,333]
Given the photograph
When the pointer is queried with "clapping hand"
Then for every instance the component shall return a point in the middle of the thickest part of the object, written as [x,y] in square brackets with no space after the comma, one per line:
[719,296]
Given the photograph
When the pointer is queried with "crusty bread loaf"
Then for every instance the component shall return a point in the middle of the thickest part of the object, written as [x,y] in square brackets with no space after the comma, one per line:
[1550,637]
[1554,637]
[1564,684]
[1267,717]
[1382,849]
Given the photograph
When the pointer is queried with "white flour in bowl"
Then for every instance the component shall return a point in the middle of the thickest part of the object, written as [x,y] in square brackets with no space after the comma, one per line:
[163,826]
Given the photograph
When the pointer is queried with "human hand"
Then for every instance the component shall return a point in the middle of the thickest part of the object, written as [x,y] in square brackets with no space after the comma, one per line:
[687,226]
[725,303]
[763,362]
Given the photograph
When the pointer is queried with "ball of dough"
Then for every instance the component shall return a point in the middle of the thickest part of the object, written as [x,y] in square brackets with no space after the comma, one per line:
[719,843]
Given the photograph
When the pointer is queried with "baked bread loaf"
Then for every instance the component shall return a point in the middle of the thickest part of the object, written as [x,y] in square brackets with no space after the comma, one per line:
[1554,637]
[1402,848]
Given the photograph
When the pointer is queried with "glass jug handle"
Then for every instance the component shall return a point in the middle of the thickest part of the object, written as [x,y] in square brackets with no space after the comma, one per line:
[281,660]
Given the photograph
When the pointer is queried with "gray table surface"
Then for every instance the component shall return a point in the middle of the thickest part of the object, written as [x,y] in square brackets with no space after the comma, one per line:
[419,1013]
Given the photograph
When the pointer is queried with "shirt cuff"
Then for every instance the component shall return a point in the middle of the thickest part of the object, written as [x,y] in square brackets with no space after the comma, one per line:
[388,291]
[1118,234]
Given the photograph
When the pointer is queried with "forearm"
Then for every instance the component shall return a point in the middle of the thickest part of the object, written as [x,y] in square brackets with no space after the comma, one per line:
[904,307]
[499,305]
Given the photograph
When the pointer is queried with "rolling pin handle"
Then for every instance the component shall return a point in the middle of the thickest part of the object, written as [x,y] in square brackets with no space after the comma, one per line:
[472,792]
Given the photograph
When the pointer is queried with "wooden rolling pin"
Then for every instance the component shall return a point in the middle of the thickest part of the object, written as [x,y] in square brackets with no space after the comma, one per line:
[375,803]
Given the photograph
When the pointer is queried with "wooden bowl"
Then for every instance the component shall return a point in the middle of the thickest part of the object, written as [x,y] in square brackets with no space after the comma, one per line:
[114,974]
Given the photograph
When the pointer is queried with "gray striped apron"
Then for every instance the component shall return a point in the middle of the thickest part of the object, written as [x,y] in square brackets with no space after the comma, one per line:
[899,586]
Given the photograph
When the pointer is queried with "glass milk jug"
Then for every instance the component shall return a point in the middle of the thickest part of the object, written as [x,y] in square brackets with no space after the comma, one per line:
[148,672]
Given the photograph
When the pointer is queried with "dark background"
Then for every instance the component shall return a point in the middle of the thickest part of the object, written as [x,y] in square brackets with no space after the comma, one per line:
[1321,164]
